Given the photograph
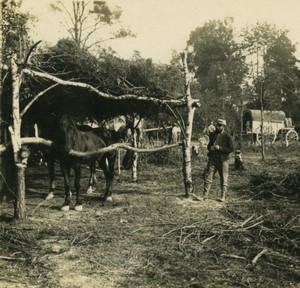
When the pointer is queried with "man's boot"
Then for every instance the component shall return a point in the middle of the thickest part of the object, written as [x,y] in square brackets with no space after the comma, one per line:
[222,199]
[206,190]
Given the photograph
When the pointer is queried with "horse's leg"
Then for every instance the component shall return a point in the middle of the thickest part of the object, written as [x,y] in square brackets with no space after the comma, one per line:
[108,167]
[77,170]
[111,172]
[66,175]
[51,167]
[92,180]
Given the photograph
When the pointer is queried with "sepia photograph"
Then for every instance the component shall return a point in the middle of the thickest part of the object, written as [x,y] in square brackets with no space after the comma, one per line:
[150,143]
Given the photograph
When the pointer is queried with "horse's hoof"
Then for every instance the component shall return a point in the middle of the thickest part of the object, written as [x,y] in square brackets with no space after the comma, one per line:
[78,208]
[109,199]
[65,208]
[49,196]
[89,191]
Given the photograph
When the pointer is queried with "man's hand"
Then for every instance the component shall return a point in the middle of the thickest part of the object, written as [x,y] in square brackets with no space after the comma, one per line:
[217,147]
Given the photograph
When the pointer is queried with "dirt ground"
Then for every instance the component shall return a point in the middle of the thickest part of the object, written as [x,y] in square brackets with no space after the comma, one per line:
[152,236]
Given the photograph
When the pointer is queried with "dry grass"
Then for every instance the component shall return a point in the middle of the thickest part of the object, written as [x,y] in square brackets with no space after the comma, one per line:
[151,236]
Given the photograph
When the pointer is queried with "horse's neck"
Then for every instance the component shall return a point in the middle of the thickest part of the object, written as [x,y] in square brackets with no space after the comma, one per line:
[71,135]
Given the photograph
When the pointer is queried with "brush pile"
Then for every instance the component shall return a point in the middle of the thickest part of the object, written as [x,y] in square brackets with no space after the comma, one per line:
[267,185]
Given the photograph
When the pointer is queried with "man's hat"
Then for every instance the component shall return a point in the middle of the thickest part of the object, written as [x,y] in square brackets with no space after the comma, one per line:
[221,122]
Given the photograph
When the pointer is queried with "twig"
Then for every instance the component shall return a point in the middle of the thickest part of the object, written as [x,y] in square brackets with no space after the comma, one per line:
[273,253]
[292,220]
[188,236]
[194,225]
[12,258]
[85,239]
[233,256]
[75,238]
[280,183]
[209,238]
[39,205]
[180,242]
[249,227]
[247,220]
[254,260]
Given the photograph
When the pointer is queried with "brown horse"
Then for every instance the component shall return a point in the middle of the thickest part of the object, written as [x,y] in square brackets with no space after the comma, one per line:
[68,137]
[48,130]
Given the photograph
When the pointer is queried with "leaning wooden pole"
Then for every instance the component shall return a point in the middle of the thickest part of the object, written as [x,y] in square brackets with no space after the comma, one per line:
[186,147]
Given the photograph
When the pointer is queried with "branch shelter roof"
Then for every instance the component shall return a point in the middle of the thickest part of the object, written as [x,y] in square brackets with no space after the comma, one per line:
[81,102]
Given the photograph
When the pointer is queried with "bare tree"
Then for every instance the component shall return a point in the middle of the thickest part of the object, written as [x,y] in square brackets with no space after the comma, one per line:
[186,147]
[85,21]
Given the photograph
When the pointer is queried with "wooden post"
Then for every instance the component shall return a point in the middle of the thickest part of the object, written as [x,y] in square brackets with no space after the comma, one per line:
[15,131]
[134,169]
[119,160]
[186,147]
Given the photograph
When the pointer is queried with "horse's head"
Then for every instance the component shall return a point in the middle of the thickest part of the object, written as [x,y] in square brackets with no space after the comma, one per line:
[66,122]
[65,131]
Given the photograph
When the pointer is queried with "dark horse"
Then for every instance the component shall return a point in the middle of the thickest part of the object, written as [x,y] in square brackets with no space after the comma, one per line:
[48,130]
[67,136]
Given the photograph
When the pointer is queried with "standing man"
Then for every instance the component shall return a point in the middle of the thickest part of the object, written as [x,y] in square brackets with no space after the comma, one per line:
[220,146]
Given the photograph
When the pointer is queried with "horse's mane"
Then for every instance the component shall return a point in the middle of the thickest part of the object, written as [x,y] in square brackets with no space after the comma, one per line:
[70,137]
[68,133]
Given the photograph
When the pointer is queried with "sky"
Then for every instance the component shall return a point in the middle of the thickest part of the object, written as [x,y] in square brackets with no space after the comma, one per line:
[162,26]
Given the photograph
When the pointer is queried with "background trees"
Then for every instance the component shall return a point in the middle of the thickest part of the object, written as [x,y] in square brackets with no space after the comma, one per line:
[273,64]
[219,68]
[231,75]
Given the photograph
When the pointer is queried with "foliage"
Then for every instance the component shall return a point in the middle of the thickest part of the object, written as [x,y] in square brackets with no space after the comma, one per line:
[229,75]
[105,71]
[108,72]
[15,40]
[219,69]
[217,60]
[274,74]
[15,30]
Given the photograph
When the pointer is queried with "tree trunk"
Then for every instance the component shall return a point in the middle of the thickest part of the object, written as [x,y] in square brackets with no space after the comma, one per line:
[20,204]
[15,131]
[186,147]
[7,180]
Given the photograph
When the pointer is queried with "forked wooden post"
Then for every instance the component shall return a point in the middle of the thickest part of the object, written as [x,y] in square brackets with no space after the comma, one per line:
[15,131]
[186,147]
